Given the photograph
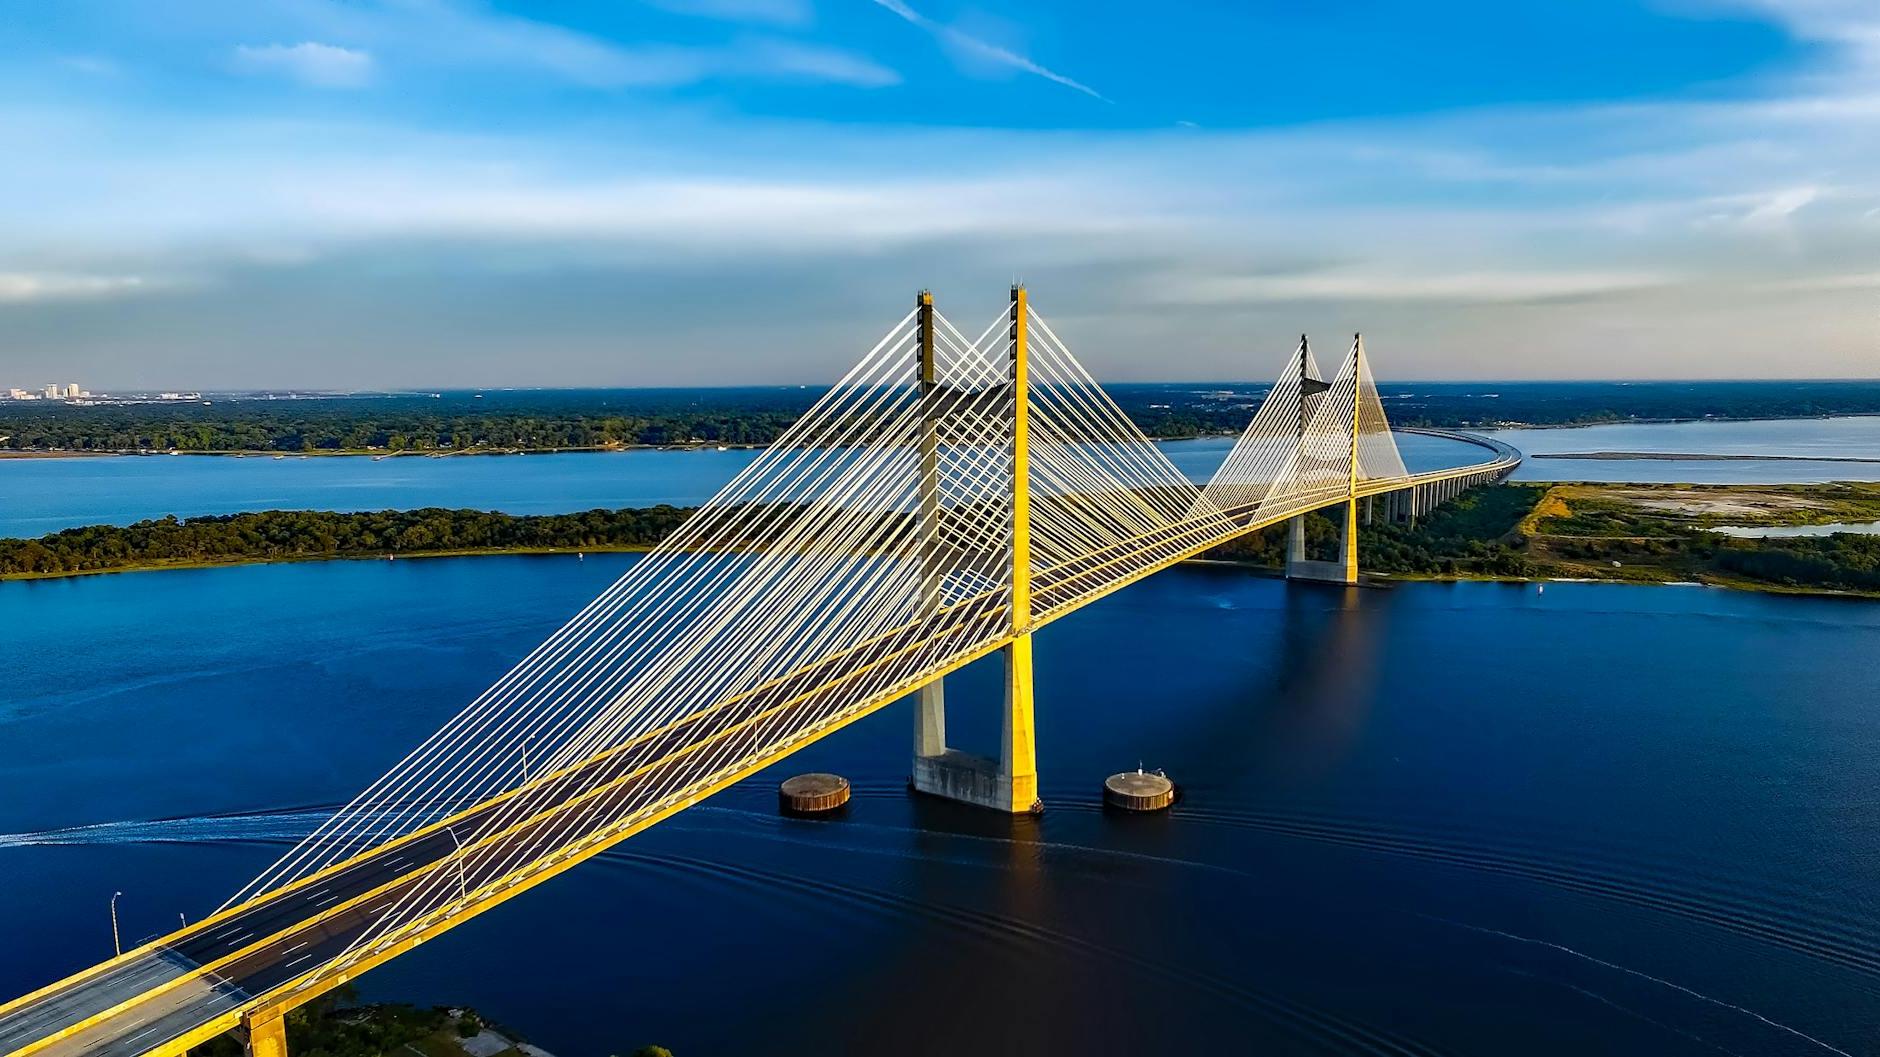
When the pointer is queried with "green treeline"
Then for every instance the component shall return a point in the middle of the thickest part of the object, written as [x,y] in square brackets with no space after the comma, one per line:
[538,420]
[279,535]
[1844,561]
[330,1026]
[349,426]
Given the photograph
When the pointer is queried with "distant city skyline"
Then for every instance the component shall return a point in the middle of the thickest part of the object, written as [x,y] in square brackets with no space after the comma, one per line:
[453,193]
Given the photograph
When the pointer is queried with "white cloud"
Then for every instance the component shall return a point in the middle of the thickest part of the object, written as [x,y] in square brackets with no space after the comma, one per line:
[981,50]
[454,35]
[1869,282]
[22,287]
[1450,288]
[772,12]
[1771,211]
[309,62]
[810,62]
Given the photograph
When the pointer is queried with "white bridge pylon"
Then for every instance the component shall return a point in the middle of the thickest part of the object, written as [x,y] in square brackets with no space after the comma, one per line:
[1310,441]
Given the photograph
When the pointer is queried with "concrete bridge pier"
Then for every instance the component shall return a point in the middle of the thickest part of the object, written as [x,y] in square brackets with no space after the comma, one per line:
[1008,783]
[1343,569]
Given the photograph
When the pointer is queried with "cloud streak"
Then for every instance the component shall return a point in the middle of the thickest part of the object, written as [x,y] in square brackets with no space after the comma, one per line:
[22,287]
[418,35]
[982,49]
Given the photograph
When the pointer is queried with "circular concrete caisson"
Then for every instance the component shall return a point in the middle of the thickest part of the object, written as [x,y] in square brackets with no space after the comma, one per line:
[1138,791]
[813,794]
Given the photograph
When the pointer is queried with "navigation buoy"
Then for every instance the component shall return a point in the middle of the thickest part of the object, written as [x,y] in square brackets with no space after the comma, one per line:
[1139,790]
[813,794]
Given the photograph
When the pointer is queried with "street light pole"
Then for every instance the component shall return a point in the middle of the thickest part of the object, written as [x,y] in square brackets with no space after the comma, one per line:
[116,945]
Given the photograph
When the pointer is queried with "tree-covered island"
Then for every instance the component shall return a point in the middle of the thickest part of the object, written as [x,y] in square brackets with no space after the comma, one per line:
[1636,533]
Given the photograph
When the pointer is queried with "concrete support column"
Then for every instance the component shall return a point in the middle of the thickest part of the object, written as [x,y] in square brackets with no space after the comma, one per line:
[1295,539]
[930,721]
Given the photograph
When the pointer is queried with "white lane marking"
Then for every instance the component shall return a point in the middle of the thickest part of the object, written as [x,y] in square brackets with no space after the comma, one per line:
[296,946]
[298,960]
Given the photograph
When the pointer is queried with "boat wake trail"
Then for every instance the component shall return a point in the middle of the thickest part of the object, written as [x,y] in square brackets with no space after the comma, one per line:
[1662,982]
[203,829]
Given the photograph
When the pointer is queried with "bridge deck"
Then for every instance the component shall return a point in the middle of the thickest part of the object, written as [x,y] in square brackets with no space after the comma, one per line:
[285,945]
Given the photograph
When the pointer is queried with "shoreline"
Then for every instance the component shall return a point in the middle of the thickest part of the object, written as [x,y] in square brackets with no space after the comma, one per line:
[235,563]
[1668,456]
[379,454]
[1479,427]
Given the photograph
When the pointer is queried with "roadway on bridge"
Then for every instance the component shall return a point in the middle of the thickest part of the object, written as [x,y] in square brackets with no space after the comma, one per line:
[170,993]
[1115,517]
[219,967]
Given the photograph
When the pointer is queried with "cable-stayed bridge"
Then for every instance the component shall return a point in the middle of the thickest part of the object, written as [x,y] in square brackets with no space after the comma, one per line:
[944,501]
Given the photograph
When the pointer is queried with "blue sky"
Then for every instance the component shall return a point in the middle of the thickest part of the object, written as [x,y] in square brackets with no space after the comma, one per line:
[354,193]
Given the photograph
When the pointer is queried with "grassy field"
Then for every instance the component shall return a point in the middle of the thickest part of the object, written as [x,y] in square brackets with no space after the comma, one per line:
[1622,532]
[1662,534]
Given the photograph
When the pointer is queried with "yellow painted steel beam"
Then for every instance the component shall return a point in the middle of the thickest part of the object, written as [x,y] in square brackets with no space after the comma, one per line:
[267,1035]
[1357,430]
[196,1036]
[222,1023]
[1021,463]
[907,686]
[312,985]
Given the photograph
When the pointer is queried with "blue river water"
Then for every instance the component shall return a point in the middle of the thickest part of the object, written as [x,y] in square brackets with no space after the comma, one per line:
[1454,819]
[1804,443]
[38,496]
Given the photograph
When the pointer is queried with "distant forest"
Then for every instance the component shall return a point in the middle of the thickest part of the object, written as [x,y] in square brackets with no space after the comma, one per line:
[1479,534]
[290,535]
[550,420]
